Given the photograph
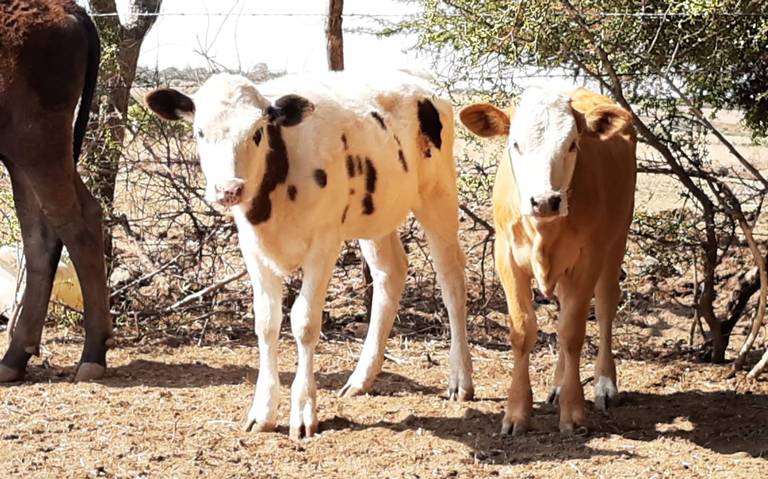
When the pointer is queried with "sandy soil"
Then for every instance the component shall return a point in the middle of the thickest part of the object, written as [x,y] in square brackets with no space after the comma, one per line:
[173,410]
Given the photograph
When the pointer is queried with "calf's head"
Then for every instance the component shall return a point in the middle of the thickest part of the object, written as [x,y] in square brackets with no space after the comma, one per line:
[543,143]
[227,113]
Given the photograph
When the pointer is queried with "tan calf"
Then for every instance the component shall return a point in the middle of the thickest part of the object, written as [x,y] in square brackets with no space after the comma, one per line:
[562,206]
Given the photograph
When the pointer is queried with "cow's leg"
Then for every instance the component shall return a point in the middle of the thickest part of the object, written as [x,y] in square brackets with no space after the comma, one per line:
[557,381]
[607,297]
[267,315]
[42,249]
[48,172]
[575,295]
[306,318]
[522,333]
[389,267]
[439,217]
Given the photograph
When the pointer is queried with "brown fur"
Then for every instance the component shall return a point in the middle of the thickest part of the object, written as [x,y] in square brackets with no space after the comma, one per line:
[49,55]
[576,256]
[18,18]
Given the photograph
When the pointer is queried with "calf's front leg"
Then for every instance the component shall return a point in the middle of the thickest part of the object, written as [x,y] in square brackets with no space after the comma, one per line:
[268,314]
[575,295]
[522,334]
[306,319]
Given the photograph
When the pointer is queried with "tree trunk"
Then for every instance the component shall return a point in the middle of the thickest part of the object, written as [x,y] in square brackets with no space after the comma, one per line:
[334,35]
[121,45]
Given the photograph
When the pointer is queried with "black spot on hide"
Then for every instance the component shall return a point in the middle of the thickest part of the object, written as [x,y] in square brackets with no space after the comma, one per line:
[276,173]
[368,205]
[321,178]
[429,122]
[378,118]
[370,176]
[289,110]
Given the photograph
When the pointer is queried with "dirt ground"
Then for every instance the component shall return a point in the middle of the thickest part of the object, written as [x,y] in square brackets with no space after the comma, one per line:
[173,410]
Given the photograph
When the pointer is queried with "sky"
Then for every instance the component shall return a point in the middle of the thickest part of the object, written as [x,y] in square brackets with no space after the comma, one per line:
[288,35]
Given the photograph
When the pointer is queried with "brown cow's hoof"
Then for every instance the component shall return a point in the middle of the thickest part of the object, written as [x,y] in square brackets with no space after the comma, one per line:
[8,375]
[517,429]
[570,429]
[253,426]
[89,372]
[297,432]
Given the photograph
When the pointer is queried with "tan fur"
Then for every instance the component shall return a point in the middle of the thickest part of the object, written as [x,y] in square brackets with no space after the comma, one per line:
[575,256]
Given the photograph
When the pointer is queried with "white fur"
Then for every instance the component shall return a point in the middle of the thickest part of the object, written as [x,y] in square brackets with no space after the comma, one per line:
[308,233]
[544,129]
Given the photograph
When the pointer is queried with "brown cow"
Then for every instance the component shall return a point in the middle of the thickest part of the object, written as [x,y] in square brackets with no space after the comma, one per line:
[562,206]
[49,59]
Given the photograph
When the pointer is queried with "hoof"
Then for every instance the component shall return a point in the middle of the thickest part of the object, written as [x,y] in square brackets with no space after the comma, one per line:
[461,394]
[302,431]
[606,395]
[8,375]
[349,391]
[554,396]
[251,425]
[517,429]
[89,372]
[569,429]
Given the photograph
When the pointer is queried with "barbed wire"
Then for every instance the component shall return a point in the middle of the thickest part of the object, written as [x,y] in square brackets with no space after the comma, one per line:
[651,15]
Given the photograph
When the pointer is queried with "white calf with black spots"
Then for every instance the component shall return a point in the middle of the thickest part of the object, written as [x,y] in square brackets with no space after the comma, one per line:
[307,162]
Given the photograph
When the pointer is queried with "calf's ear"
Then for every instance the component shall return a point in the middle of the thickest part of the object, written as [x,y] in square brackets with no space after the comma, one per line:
[170,104]
[484,119]
[604,121]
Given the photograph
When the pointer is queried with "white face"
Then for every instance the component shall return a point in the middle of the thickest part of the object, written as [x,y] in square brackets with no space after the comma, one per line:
[225,117]
[543,138]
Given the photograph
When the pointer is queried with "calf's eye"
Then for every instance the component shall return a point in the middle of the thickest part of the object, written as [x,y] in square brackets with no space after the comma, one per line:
[573,146]
[199,133]
[516,146]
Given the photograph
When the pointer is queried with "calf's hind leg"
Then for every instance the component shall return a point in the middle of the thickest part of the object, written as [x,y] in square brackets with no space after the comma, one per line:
[75,216]
[389,267]
[42,249]
[607,297]
[439,216]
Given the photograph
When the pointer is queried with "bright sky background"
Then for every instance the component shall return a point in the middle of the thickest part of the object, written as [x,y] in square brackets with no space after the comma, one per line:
[235,38]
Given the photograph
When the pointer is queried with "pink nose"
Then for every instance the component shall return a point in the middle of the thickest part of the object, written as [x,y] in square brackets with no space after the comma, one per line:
[230,192]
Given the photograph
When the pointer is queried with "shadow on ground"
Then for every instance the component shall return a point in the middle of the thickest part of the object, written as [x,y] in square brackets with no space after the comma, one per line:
[725,423]
[142,373]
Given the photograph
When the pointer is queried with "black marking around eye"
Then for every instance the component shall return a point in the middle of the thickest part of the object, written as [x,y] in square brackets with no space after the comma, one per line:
[428,153]
[292,192]
[257,136]
[200,133]
[368,205]
[378,118]
[429,122]
[321,178]
[370,176]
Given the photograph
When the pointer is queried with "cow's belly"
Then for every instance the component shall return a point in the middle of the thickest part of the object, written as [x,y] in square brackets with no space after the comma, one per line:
[382,213]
